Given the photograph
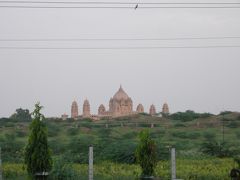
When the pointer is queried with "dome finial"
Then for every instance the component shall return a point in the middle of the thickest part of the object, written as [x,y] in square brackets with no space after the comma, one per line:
[120,89]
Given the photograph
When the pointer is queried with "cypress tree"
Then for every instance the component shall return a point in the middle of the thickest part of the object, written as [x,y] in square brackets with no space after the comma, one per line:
[146,154]
[37,153]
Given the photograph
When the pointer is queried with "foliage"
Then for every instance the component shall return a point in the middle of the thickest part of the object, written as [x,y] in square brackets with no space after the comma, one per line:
[190,169]
[121,152]
[219,149]
[37,153]
[225,112]
[63,170]
[11,148]
[237,160]
[53,129]
[188,115]
[209,135]
[185,135]
[146,154]
[72,131]
[21,115]
[233,124]
[116,143]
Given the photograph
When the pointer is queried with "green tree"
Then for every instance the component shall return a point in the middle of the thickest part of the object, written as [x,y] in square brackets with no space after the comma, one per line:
[37,153]
[21,115]
[146,154]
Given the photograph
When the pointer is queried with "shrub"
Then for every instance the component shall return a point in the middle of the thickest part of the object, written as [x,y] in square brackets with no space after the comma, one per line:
[225,112]
[214,148]
[237,134]
[72,131]
[179,125]
[233,124]
[12,149]
[146,154]
[21,133]
[63,170]
[37,152]
[129,135]
[188,115]
[209,135]
[53,129]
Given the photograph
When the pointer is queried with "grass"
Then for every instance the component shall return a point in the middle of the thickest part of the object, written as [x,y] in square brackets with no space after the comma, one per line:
[194,169]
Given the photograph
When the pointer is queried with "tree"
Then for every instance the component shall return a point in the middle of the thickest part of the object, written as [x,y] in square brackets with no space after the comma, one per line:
[146,154]
[37,153]
[21,115]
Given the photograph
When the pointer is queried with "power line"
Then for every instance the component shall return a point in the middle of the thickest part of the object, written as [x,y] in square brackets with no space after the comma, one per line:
[95,5]
[118,48]
[105,2]
[121,7]
[120,39]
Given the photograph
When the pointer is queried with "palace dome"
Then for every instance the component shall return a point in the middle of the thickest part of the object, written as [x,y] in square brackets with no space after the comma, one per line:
[121,94]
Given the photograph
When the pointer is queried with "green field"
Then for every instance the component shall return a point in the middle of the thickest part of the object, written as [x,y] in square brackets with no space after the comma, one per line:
[114,146]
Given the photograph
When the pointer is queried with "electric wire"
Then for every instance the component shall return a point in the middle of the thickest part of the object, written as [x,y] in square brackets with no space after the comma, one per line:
[119,48]
[119,39]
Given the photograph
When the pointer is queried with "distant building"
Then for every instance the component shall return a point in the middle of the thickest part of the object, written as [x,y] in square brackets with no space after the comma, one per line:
[119,105]
[140,108]
[165,109]
[64,116]
[86,109]
[152,110]
[101,110]
[74,110]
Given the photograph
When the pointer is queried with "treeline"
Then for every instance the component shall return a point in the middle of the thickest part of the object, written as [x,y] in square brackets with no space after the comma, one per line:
[188,115]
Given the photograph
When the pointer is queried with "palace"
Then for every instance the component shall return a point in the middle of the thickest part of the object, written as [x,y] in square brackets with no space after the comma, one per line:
[119,105]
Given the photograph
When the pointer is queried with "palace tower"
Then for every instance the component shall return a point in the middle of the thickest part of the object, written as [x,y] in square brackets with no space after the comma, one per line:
[74,110]
[140,108]
[152,110]
[86,109]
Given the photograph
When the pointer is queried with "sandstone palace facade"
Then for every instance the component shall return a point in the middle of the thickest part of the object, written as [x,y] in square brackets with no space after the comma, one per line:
[119,105]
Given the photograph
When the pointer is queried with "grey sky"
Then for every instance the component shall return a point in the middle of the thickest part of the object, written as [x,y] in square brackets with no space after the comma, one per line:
[204,80]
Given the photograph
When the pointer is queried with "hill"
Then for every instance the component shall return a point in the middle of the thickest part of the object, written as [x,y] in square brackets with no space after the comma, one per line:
[115,139]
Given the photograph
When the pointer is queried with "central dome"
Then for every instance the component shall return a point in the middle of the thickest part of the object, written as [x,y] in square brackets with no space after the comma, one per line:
[120,94]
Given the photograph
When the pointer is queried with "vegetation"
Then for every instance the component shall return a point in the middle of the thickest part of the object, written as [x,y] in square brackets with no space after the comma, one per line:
[115,146]
[37,152]
[146,154]
[188,115]
[21,115]
[189,169]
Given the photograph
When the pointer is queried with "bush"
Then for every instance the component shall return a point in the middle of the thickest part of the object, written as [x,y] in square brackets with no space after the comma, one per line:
[209,135]
[222,150]
[72,131]
[53,129]
[185,135]
[129,135]
[63,170]
[21,133]
[37,153]
[146,154]
[225,112]
[119,152]
[237,133]
[12,149]
[179,125]
[57,146]
[188,115]
[233,124]
[78,148]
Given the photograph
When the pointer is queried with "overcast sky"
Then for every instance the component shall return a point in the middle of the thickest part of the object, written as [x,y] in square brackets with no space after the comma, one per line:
[204,79]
